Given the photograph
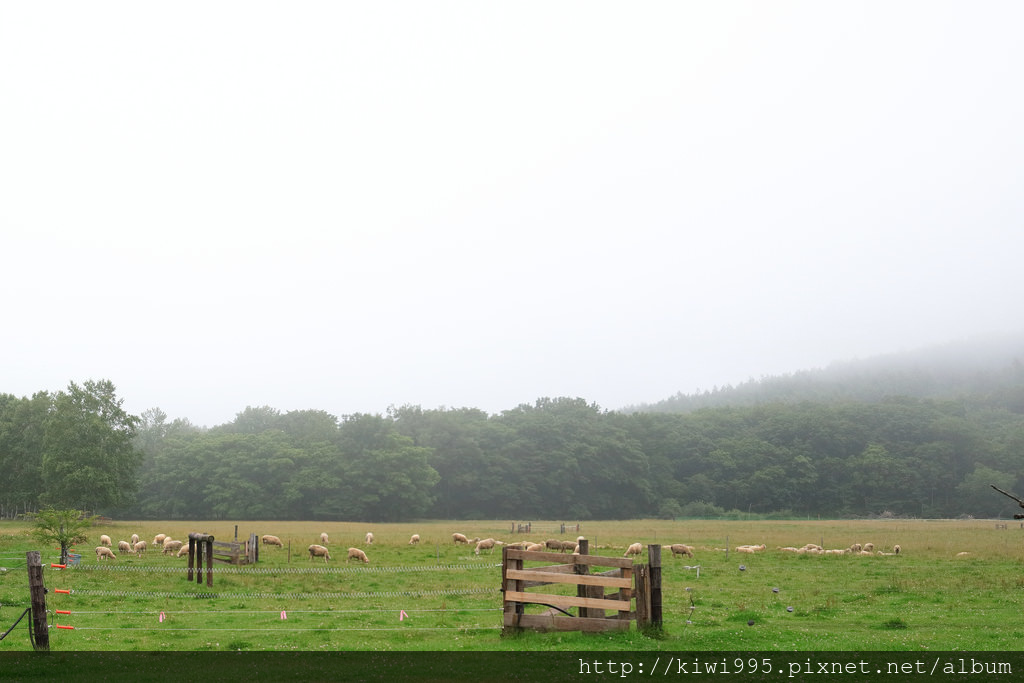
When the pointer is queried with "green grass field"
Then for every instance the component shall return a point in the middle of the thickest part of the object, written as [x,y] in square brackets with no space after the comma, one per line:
[439,596]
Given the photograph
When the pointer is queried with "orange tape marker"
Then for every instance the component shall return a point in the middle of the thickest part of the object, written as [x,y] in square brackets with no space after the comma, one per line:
[61,590]
[70,628]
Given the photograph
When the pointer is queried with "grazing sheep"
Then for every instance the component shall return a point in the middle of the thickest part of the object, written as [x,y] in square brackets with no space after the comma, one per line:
[486,544]
[896,549]
[105,540]
[358,554]
[159,539]
[681,549]
[369,538]
[139,548]
[634,549]
[323,538]
[103,552]
[459,538]
[184,550]
[319,551]
[553,544]
[172,546]
[135,539]
[124,547]
[415,539]
[271,540]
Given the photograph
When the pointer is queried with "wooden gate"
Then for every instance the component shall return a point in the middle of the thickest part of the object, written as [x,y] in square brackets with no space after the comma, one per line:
[573,570]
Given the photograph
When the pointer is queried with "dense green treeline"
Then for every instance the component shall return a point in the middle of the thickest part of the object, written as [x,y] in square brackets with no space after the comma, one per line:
[558,458]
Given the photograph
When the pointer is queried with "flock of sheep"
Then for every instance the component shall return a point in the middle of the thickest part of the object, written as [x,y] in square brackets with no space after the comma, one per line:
[136,546]
[855,549]
[320,549]
[180,548]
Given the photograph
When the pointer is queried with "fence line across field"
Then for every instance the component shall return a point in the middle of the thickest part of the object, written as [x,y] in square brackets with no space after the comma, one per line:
[286,630]
[290,611]
[286,570]
[288,596]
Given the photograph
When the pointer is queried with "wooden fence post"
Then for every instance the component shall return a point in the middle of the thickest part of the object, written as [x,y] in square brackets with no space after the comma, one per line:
[209,562]
[583,591]
[654,556]
[511,585]
[40,631]
[643,596]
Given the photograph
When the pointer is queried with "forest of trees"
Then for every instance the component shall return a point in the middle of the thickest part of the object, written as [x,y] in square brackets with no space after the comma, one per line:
[560,458]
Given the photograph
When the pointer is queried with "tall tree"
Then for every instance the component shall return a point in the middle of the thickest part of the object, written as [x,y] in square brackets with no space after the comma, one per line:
[21,451]
[90,458]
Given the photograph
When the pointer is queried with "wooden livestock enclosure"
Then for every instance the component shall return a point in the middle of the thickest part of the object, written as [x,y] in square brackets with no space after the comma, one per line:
[200,545]
[573,570]
[234,552]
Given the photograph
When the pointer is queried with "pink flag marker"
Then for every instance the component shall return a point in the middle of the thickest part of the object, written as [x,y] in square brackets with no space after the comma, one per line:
[162,617]
[283,615]
[402,615]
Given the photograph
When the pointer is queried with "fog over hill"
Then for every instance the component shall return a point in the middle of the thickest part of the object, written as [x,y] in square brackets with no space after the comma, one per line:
[991,366]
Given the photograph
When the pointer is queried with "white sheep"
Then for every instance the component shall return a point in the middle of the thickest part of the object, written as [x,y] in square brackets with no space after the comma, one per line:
[319,551]
[486,544]
[634,549]
[139,548]
[534,547]
[459,538]
[105,540]
[357,554]
[896,549]
[124,547]
[323,538]
[103,552]
[184,550]
[159,539]
[135,539]
[415,539]
[870,547]
[369,538]
[750,548]
[271,540]
[172,546]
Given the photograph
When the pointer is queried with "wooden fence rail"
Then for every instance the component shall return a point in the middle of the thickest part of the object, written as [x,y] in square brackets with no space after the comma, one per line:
[591,600]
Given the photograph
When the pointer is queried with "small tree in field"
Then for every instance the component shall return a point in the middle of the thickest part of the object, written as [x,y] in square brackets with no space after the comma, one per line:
[64,527]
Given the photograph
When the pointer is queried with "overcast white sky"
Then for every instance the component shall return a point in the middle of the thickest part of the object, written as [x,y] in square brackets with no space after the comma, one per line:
[347,205]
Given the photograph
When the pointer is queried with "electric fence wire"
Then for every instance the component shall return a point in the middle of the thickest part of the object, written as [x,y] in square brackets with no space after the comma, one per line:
[290,611]
[286,570]
[286,596]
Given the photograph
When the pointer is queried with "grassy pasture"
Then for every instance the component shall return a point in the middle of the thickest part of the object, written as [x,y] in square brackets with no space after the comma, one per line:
[925,598]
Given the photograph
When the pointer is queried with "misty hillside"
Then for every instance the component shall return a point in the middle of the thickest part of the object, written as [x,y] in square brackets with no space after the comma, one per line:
[988,370]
